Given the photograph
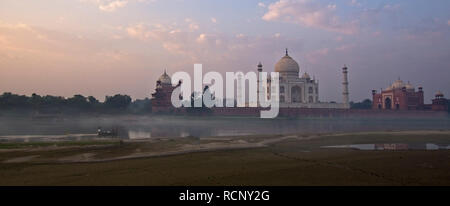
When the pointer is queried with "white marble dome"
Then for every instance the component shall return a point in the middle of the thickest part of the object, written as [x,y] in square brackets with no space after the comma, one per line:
[287,65]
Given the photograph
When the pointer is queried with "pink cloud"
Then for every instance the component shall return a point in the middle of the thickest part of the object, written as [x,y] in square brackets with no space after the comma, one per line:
[310,14]
[315,56]
[113,5]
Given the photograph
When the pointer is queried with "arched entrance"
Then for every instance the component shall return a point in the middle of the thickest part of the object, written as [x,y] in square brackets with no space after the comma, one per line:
[296,94]
[388,103]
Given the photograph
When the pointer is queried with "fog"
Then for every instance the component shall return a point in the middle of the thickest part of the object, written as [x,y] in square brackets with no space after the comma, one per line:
[21,128]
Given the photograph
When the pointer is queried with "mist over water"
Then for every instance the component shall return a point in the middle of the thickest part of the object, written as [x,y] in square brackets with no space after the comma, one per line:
[143,127]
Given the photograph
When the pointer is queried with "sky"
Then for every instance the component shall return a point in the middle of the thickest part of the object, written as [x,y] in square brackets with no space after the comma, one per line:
[105,47]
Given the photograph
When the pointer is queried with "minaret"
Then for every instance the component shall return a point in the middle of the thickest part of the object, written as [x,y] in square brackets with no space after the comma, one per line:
[259,85]
[345,84]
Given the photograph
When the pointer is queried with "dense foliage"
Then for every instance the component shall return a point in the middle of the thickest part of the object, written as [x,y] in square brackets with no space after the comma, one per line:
[366,104]
[76,104]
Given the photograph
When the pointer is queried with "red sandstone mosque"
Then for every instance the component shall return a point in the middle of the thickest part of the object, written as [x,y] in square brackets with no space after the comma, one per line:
[403,96]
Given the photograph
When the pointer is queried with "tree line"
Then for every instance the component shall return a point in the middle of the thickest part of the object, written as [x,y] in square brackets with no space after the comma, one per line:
[365,104]
[113,104]
[77,104]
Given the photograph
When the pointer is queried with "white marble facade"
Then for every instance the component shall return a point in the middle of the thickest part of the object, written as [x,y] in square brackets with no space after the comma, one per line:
[296,91]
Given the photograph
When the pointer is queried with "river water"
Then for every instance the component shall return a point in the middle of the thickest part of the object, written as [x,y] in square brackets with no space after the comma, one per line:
[21,129]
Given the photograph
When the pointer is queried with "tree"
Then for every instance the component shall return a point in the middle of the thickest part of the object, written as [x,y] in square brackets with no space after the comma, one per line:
[117,101]
[92,100]
[76,104]
[35,101]
[140,106]
[366,104]
[9,100]
[78,101]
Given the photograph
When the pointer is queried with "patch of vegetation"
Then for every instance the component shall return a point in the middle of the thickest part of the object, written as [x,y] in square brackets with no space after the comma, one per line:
[49,104]
[366,104]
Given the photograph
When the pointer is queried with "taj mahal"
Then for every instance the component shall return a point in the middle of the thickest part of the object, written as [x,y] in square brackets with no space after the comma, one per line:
[302,92]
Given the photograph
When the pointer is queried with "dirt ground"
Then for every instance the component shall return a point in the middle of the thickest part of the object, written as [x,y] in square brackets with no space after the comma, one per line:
[249,160]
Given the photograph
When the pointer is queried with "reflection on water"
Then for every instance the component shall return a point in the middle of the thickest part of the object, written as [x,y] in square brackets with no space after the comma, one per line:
[139,134]
[47,138]
[144,127]
[427,146]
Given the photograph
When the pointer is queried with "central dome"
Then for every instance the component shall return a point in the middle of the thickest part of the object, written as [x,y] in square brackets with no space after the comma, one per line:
[287,65]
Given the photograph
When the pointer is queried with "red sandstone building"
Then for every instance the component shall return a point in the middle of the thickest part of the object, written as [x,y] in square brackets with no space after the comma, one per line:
[161,99]
[439,103]
[403,96]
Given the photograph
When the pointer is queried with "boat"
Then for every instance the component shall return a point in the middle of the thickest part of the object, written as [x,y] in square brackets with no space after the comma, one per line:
[107,133]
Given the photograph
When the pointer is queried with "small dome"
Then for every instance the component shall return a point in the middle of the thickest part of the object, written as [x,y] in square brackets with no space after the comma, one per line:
[409,86]
[306,76]
[165,79]
[439,94]
[287,64]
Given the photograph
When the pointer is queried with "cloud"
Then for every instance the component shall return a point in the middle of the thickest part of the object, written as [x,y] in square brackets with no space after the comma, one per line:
[310,13]
[240,36]
[201,38]
[183,39]
[176,40]
[317,55]
[391,7]
[33,44]
[138,31]
[261,4]
[355,3]
[113,5]
[192,24]
[423,37]
[376,34]
[374,16]
[345,47]
[223,51]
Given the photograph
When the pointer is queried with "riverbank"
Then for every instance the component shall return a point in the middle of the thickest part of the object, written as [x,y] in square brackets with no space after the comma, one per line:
[243,160]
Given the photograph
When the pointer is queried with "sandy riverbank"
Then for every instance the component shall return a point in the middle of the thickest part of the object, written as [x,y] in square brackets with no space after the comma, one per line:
[246,160]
